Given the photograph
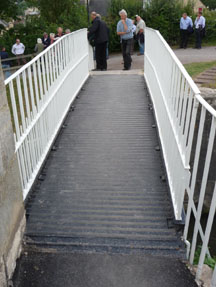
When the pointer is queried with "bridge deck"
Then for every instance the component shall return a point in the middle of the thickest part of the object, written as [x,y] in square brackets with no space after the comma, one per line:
[99,217]
[102,190]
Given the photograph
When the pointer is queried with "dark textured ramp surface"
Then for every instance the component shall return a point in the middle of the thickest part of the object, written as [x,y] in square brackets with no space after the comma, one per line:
[102,190]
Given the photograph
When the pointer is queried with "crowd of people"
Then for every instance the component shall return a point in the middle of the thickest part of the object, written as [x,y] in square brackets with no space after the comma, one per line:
[98,36]
[129,31]
[18,49]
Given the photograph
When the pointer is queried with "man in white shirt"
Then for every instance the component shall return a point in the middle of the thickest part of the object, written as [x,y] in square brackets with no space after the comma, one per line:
[140,27]
[18,50]
[199,29]
[185,24]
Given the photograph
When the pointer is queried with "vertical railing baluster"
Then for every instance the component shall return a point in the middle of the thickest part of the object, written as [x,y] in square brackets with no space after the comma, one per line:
[203,187]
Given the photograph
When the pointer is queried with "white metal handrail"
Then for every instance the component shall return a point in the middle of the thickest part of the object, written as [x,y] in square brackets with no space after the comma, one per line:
[182,116]
[40,94]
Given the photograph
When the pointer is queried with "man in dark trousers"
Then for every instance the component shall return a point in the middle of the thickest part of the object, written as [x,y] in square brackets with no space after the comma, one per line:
[99,32]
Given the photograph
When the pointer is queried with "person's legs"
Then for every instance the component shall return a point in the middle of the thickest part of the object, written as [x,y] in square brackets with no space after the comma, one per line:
[107,51]
[7,73]
[128,60]
[182,38]
[23,60]
[132,47]
[201,36]
[198,38]
[185,39]
[18,60]
[97,56]
[141,47]
[103,56]
[124,45]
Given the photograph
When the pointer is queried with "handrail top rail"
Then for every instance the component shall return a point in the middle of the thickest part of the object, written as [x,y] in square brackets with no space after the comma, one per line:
[178,62]
[206,105]
[18,72]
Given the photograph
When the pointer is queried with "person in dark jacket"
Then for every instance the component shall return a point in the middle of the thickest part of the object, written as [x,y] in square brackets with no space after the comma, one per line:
[46,40]
[99,31]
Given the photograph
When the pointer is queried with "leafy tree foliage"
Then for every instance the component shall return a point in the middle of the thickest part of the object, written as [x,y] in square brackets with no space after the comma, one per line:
[210,3]
[8,9]
[65,13]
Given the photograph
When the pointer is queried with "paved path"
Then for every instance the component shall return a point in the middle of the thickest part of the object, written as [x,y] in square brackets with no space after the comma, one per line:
[53,269]
[102,212]
[190,55]
[206,54]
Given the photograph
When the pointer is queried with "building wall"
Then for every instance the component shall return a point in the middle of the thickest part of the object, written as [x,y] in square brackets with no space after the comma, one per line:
[198,4]
[12,219]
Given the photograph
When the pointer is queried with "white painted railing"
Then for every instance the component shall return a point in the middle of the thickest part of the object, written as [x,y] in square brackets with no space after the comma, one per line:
[183,118]
[40,94]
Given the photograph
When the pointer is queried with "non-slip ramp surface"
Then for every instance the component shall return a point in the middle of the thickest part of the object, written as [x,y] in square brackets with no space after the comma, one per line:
[102,190]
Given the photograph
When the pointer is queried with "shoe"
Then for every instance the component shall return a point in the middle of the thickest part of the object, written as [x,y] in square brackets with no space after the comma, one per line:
[139,54]
[126,69]
[103,69]
[96,69]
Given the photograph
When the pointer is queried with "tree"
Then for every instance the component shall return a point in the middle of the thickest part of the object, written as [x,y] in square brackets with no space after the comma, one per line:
[210,3]
[54,10]
[8,9]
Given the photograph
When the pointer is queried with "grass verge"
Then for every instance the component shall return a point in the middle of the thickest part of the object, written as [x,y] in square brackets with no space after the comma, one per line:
[195,69]
[210,261]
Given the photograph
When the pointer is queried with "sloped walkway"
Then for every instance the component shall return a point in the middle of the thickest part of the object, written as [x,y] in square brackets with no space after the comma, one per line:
[101,208]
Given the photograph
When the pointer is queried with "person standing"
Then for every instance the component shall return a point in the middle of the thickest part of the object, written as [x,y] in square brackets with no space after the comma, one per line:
[199,29]
[5,64]
[186,26]
[67,31]
[125,31]
[99,32]
[39,47]
[140,33]
[18,50]
[52,38]
[46,40]
[59,33]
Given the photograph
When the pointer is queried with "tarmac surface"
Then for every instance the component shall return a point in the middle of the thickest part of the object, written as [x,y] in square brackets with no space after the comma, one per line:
[100,270]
